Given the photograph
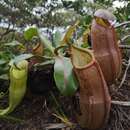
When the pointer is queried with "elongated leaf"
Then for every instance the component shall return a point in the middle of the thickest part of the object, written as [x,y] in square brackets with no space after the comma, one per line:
[46,42]
[13,43]
[20,58]
[64,77]
[45,63]
[57,37]
[2,62]
[4,77]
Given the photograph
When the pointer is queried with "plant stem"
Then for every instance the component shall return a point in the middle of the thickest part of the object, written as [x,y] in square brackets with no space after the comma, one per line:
[122,24]
[122,103]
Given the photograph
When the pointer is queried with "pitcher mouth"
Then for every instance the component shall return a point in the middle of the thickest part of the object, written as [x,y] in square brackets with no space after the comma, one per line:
[85,55]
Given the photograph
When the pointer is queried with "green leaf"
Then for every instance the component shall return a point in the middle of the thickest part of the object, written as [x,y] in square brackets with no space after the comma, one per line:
[46,42]
[57,37]
[45,63]
[2,62]
[29,33]
[85,45]
[20,58]
[64,77]
[4,77]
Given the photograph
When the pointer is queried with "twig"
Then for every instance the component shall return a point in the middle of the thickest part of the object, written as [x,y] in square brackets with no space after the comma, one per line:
[124,76]
[122,24]
[125,37]
[122,103]
[120,46]
[123,63]
[65,120]
[51,126]
[124,46]
[60,113]
[46,107]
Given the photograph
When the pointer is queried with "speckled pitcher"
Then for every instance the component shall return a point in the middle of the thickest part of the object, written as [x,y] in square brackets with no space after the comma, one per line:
[95,100]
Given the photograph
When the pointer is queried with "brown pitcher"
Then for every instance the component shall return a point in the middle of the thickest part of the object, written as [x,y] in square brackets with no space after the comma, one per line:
[95,100]
[106,51]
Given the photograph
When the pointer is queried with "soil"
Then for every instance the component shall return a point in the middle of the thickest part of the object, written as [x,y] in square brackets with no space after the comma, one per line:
[38,107]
